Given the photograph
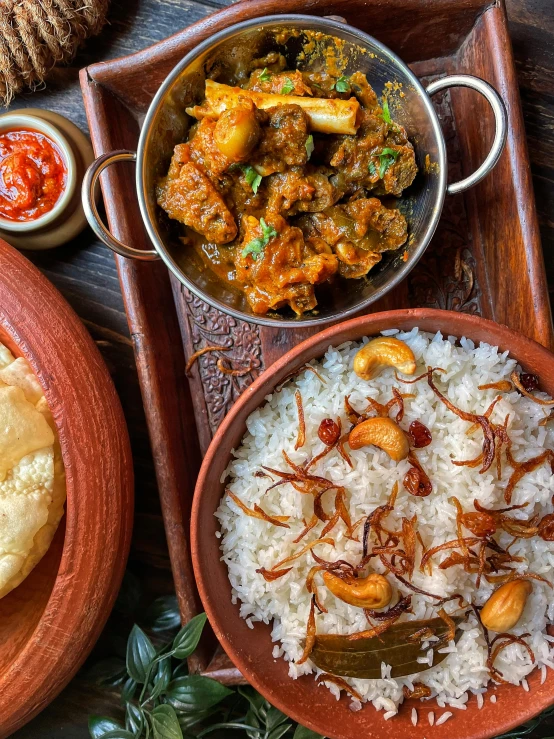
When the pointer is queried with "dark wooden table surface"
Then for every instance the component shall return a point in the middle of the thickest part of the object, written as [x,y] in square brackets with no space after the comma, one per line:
[85,273]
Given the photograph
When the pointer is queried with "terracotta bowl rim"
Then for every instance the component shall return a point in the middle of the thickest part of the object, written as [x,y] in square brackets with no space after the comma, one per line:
[270,378]
[71,648]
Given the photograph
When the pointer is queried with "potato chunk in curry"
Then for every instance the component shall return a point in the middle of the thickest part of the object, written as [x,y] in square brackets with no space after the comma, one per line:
[275,206]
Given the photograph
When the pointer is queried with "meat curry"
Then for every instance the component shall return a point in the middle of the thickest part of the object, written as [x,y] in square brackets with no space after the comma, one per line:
[280,182]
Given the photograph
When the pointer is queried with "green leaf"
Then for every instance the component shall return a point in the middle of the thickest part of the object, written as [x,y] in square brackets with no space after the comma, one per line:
[163,614]
[265,75]
[372,169]
[342,84]
[187,639]
[252,177]
[288,87]
[386,158]
[165,723]
[161,678]
[188,720]
[194,693]
[140,653]
[128,690]
[256,246]
[386,111]
[274,718]
[309,145]
[134,719]
[303,733]
[118,734]
[279,731]
[99,726]
[255,700]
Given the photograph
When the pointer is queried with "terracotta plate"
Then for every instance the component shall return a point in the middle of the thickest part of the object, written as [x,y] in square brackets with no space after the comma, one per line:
[50,622]
[251,650]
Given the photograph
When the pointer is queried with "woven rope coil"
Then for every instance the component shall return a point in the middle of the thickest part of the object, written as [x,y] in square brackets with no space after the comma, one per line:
[37,34]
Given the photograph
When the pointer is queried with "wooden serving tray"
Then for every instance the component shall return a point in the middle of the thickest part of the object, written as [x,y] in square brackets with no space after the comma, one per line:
[484,259]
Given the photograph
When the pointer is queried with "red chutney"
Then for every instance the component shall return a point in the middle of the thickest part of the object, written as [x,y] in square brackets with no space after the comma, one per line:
[33,175]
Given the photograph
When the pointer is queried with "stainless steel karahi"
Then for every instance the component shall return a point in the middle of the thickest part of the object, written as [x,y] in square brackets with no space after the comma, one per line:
[166,124]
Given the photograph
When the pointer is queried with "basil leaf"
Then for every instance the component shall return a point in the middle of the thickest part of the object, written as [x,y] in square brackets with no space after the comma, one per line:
[386,158]
[288,87]
[195,692]
[99,726]
[163,614]
[303,733]
[118,734]
[265,75]
[187,639]
[256,246]
[140,653]
[274,718]
[372,169]
[342,84]
[278,732]
[252,177]
[161,678]
[165,723]
[134,719]
[386,111]
[310,145]
[128,690]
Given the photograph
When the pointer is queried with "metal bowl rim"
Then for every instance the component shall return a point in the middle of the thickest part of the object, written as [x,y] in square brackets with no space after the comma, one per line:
[279,20]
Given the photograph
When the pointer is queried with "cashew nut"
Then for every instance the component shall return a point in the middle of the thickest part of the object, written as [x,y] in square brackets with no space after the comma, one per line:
[373,591]
[381,432]
[384,351]
[503,609]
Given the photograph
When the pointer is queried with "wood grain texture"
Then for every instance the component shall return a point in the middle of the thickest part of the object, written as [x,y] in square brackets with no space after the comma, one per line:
[86,274]
[54,618]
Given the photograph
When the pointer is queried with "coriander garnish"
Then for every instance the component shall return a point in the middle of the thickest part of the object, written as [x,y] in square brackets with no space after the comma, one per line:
[342,84]
[252,177]
[372,169]
[386,111]
[265,75]
[386,158]
[256,246]
[309,145]
[288,87]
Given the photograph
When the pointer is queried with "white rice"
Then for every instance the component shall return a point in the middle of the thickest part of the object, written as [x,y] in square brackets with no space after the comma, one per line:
[248,543]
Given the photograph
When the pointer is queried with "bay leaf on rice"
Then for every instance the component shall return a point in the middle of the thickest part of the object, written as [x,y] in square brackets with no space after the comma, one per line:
[362,658]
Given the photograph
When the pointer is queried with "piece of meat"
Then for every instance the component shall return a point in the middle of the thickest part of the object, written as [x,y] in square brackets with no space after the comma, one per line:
[283,140]
[357,232]
[190,198]
[286,269]
[369,214]
[297,191]
[363,159]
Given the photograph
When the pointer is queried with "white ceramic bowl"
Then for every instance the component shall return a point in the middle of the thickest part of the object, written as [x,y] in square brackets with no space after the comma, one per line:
[14,121]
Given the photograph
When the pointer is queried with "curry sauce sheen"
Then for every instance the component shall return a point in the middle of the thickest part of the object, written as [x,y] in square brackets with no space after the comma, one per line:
[280,183]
